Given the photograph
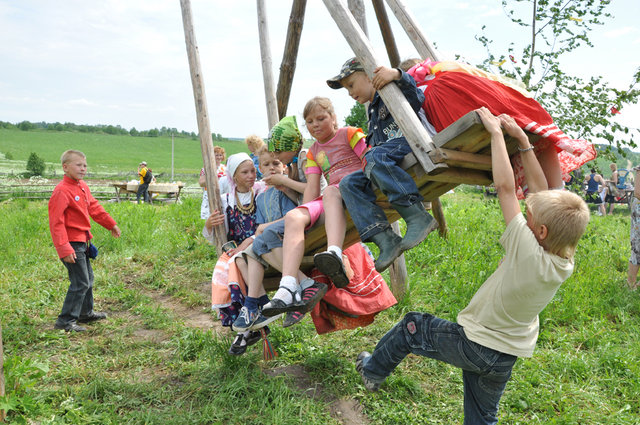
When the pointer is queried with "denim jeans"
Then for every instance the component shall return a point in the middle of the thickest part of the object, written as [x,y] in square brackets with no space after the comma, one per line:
[382,169]
[79,299]
[485,371]
[271,238]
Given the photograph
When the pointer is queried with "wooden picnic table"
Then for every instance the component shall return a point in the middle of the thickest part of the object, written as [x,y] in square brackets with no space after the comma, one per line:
[170,189]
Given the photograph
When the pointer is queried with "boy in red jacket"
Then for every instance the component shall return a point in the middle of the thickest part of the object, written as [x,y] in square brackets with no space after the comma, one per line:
[70,207]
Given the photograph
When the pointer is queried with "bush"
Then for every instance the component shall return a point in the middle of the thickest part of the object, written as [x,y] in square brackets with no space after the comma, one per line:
[35,165]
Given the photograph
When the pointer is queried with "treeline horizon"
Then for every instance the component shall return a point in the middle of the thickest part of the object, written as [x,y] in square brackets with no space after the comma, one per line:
[105,129]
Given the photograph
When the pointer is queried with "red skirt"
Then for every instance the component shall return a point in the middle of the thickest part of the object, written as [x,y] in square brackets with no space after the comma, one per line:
[450,95]
[357,304]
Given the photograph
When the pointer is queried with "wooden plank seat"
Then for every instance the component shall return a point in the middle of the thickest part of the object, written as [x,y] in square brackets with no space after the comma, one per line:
[463,156]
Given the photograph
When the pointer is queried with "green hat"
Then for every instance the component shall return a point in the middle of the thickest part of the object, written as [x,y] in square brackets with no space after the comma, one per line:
[285,136]
[349,67]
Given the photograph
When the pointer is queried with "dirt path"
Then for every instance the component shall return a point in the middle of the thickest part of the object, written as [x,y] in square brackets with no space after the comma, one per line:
[347,411]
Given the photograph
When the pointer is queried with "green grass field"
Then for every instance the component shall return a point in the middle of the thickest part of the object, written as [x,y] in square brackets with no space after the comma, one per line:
[149,365]
[105,153]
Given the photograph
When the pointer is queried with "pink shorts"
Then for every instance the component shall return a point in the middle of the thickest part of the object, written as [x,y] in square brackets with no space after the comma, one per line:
[315,208]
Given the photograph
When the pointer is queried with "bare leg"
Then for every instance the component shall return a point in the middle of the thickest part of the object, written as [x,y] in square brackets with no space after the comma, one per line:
[632,275]
[255,289]
[242,266]
[295,222]
[335,216]
[548,159]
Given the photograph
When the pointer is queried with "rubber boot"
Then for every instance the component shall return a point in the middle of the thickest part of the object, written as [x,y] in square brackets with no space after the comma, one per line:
[419,224]
[388,243]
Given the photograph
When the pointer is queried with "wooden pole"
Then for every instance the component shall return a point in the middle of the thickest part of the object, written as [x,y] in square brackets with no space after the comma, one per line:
[2,412]
[425,50]
[267,72]
[398,276]
[357,10]
[387,33]
[206,143]
[417,137]
[406,19]
[288,65]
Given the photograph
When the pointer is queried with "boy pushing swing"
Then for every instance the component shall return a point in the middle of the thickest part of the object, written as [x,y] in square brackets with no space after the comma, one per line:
[500,323]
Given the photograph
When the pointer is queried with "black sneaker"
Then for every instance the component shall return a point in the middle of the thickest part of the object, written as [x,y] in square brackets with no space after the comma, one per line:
[70,327]
[368,384]
[241,342]
[331,265]
[92,317]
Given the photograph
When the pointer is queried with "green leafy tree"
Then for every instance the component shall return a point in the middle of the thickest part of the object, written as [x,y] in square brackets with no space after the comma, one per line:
[582,107]
[357,117]
[35,165]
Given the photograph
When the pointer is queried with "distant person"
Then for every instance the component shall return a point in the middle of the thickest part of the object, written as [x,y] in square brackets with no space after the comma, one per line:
[612,188]
[220,156]
[500,323]
[634,261]
[255,144]
[70,207]
[595,184]
[145,176]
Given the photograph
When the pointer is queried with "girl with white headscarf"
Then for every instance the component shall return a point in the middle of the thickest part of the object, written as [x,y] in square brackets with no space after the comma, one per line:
[238,213]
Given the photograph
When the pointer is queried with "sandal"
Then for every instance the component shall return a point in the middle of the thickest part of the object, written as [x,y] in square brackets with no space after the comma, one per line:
[292,318]
[277,306]
[331,265]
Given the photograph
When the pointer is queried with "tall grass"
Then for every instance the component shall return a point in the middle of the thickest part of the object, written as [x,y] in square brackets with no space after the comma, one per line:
[145,365]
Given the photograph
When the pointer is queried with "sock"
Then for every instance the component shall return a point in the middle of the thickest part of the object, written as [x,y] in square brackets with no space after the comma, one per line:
[289,282]
[306,283]
[251,303]
[337,250]
[263,300]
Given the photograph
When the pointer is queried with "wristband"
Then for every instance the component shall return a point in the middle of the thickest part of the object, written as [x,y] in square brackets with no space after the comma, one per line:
[530,148]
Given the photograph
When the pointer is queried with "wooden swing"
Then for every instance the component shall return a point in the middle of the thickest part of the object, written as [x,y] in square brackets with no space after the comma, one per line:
[460,154]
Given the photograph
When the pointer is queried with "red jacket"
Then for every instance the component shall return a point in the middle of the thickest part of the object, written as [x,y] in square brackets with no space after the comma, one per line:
[70,207]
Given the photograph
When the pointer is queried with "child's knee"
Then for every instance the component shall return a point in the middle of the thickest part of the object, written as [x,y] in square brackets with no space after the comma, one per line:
[296,218]
[332,193]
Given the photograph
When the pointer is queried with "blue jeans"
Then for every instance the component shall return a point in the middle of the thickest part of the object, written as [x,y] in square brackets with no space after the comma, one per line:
[382,168]
[485,371]
[271,238]
[79,299]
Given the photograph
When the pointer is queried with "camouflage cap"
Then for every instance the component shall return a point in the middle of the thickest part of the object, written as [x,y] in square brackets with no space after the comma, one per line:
[349,67]
[285,136]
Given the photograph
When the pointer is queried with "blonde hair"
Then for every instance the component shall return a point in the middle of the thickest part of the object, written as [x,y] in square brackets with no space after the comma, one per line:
[264,150]
[66,155]
[220,149]
[406,64]
[254,142]
[564,214]
[325,104]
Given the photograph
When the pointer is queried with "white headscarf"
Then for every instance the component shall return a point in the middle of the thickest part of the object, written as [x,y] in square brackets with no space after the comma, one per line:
[233,162]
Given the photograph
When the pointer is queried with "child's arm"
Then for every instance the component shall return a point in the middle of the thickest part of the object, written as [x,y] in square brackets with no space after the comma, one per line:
[533,174]
[312,191]
[501,167]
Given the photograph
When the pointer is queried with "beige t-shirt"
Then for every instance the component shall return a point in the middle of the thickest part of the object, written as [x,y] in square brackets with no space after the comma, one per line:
[503,314]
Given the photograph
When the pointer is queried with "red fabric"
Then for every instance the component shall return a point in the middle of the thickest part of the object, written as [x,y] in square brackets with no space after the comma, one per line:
[366,295]
[70,206]
[450,95]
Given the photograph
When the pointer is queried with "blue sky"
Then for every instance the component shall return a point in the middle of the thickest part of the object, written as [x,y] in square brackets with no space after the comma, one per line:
[124,62]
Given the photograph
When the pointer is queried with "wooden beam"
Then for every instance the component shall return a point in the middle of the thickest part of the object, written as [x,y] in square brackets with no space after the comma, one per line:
[356,7]
[408,22]
[461,159]
[288,65]
[417,137]
[206,143]
[267,66]
[387,33]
